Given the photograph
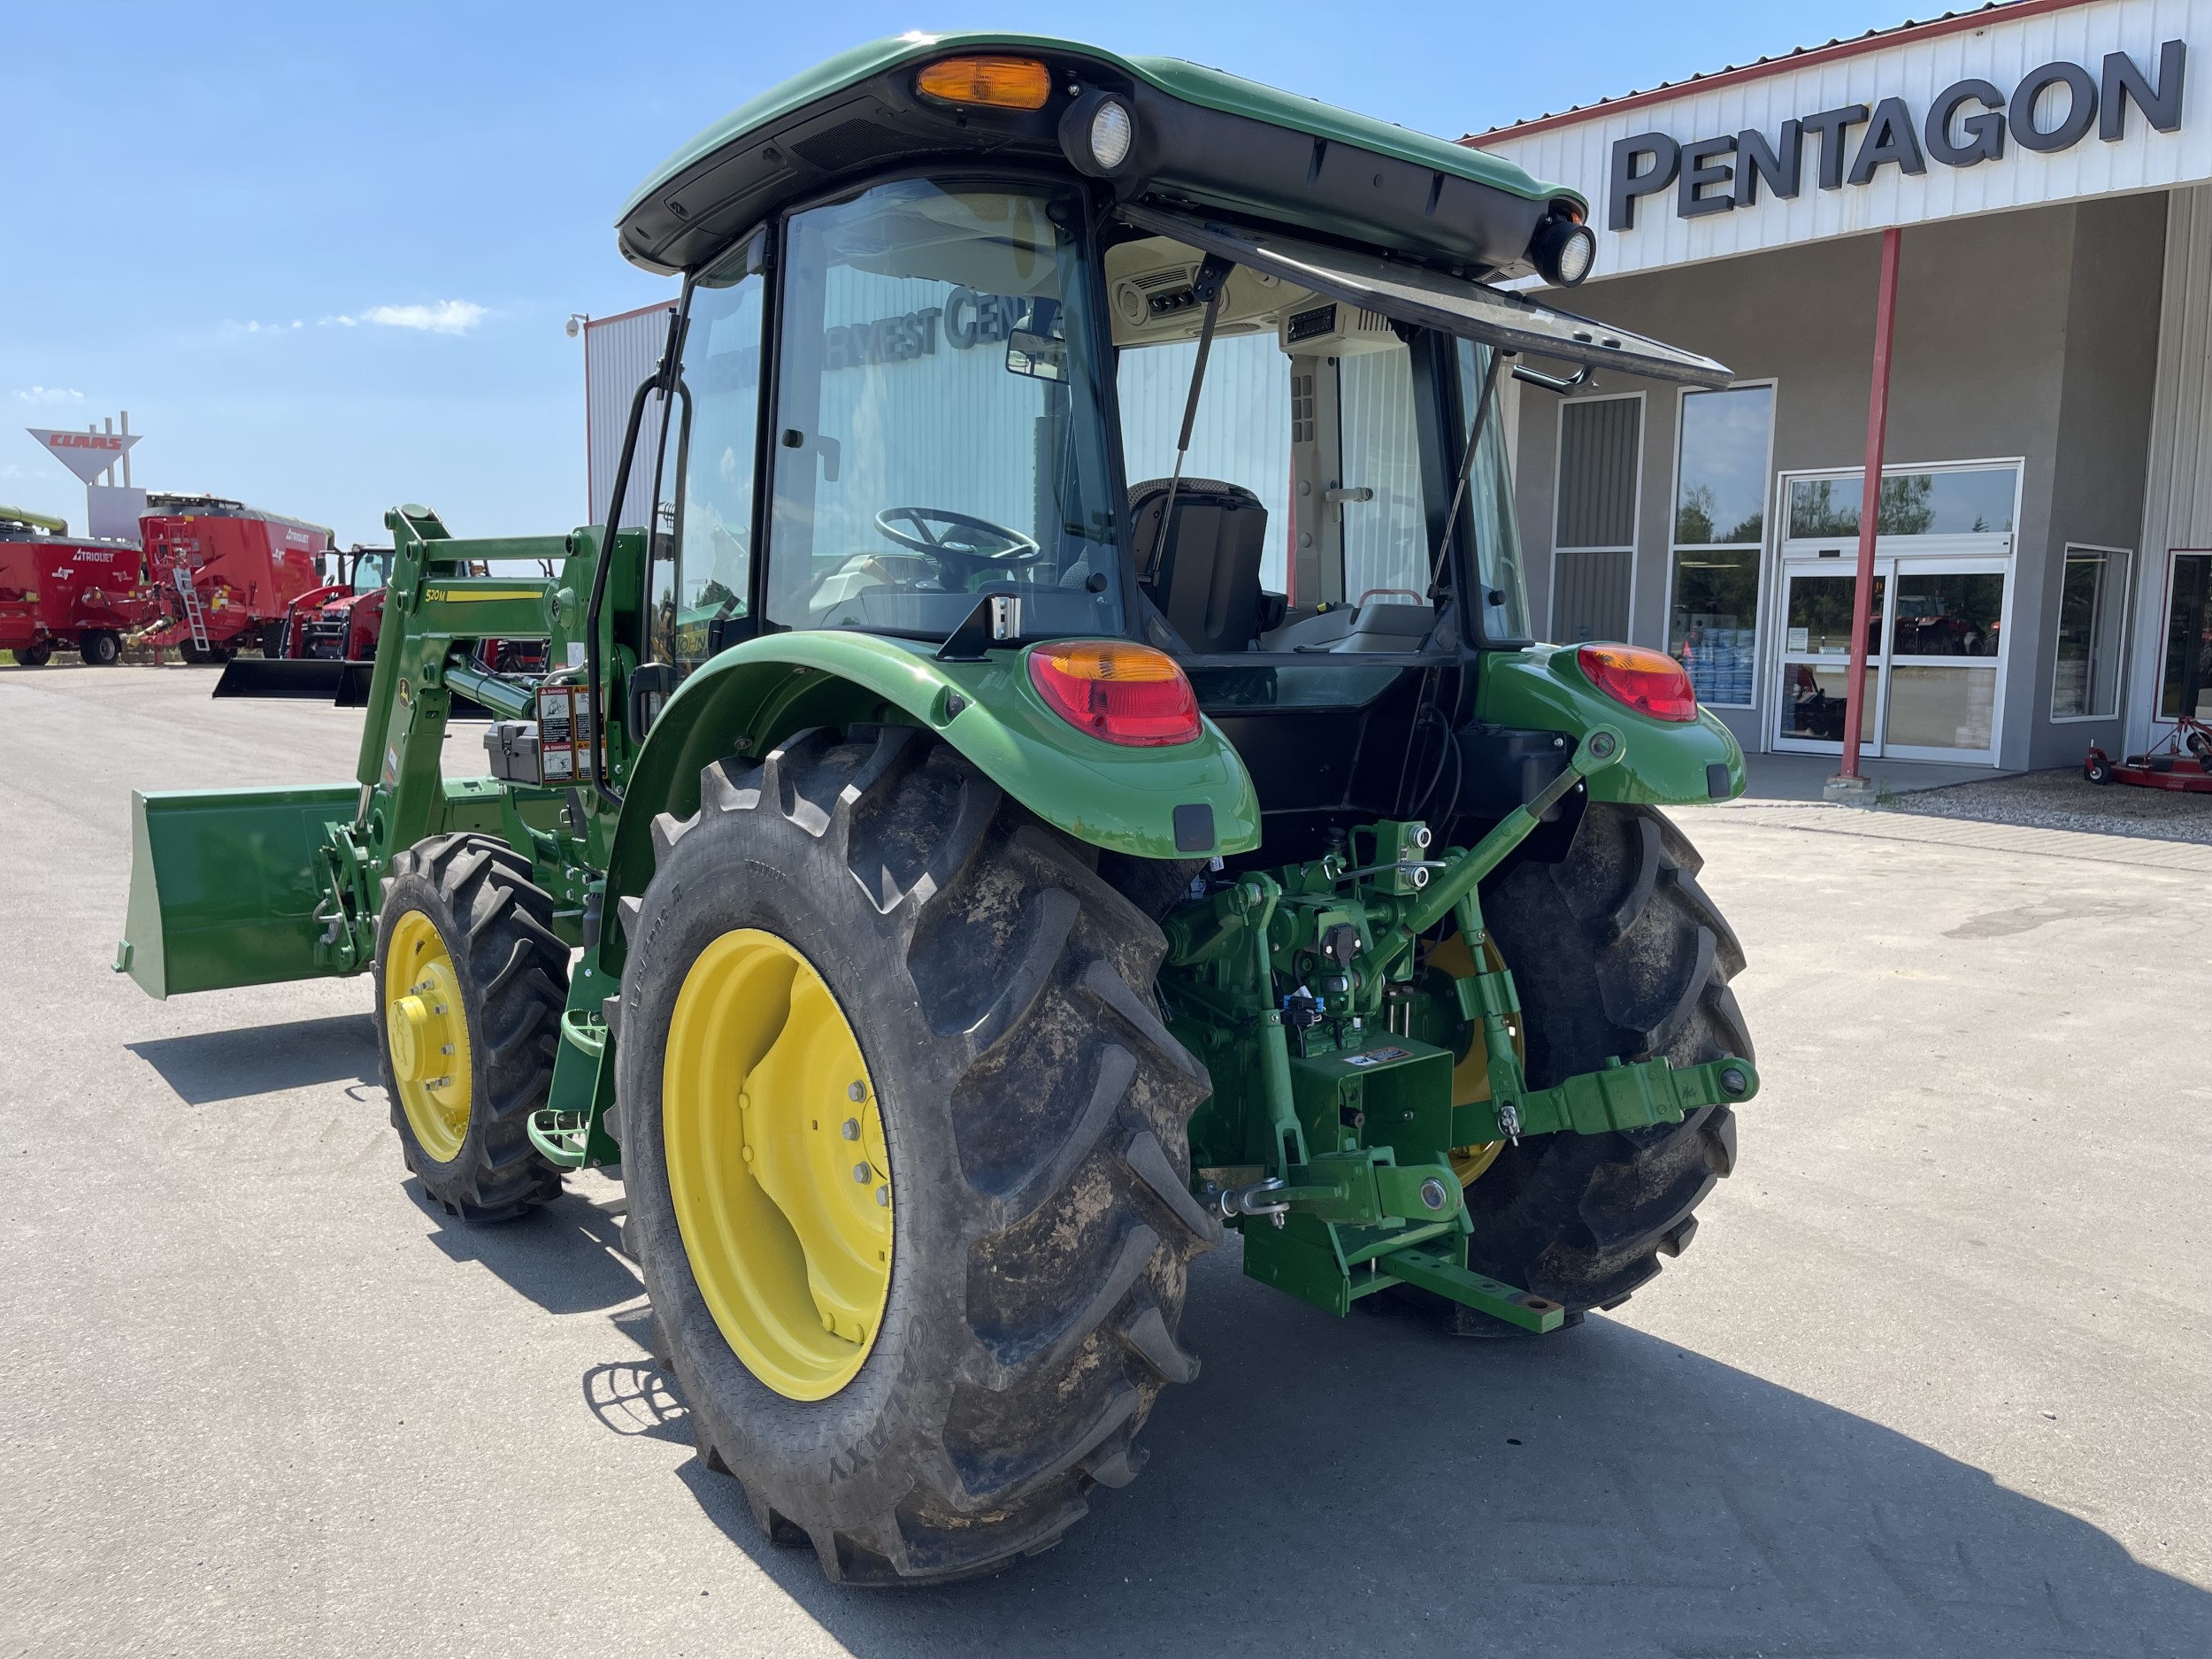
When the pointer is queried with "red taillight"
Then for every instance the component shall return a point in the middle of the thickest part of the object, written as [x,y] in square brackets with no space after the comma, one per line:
[1650,683]
[1130,694]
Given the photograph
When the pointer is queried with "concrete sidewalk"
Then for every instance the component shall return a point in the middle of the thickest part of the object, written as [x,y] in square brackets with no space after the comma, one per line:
[1779,776]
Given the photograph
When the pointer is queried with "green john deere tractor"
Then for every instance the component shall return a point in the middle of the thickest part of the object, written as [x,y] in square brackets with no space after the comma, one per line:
[1057,768]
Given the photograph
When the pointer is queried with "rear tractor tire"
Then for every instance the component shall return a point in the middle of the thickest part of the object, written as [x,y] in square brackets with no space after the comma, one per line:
[1616,950]
[906,1150]
[471,980]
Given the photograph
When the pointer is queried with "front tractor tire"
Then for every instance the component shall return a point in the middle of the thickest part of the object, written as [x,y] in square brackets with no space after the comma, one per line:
[470,982]
[905,1145]
[1616,950]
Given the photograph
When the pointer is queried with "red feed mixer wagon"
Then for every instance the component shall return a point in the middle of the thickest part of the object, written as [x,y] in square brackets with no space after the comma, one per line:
[225,574]
[59,592]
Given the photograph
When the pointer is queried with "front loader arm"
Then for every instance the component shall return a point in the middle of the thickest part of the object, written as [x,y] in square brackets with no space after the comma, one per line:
[256,886]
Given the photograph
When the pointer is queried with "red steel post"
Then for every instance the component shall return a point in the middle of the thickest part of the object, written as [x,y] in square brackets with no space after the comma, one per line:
[1871,500]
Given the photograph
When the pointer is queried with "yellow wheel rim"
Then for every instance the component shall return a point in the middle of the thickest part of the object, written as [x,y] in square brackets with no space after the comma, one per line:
[1471,1077]
[777,1164]
[426,1035]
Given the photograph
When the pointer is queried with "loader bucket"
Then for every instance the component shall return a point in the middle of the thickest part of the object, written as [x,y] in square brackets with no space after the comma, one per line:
[316,679]
[224,886]
[353,685]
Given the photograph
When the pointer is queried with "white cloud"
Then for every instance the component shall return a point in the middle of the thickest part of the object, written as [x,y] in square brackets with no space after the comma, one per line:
[46,397]
[446,316]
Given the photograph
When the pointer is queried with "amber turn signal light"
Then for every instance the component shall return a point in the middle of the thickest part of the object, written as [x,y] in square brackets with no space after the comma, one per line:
[995,83]
[1124,694]
[1650,683]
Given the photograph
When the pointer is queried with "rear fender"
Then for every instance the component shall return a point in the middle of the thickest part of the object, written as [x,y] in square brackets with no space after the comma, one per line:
[750,697]
[1666,763]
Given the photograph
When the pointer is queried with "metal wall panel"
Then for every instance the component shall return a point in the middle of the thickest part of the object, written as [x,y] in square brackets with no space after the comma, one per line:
[2002,51]
[1598,454]
[618,353]
[1590,596]
[2178,494]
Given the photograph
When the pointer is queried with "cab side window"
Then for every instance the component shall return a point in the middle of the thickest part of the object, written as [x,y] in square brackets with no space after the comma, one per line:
[704,526]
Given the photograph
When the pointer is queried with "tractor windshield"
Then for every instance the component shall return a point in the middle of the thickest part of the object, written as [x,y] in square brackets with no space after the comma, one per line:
[939,430]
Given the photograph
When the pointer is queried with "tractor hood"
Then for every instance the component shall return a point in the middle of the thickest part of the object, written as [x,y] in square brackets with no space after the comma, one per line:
[1201,136]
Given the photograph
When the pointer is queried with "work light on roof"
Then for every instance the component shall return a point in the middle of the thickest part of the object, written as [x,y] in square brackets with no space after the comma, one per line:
[1098,134]
[1112,133]
[1563,251]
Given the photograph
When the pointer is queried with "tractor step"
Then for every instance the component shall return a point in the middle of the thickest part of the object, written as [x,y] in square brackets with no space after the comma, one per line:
[559,1137]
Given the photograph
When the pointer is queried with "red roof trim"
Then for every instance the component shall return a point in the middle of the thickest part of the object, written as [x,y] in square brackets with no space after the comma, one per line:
[1906,35]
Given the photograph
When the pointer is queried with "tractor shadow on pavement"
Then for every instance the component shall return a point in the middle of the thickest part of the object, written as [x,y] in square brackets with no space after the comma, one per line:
[564,1256]
[1372,1486]
[210,1066]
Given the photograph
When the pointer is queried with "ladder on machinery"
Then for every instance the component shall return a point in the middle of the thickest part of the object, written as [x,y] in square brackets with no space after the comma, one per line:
[188,590]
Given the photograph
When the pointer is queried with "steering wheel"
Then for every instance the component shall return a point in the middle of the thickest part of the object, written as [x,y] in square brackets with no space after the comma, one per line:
[966,544]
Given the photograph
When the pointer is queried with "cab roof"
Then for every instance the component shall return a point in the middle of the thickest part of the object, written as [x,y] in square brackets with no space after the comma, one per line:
[1218,140]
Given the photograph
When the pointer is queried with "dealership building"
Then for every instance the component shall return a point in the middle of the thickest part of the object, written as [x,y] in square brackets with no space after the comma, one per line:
[2044,532]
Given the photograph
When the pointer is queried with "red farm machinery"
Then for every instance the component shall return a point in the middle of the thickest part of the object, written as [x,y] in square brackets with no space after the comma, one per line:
[67,593]
[2182,762]
[227,574]
[324,646]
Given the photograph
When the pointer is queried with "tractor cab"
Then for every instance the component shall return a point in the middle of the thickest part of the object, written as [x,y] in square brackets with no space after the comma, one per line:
[985,342]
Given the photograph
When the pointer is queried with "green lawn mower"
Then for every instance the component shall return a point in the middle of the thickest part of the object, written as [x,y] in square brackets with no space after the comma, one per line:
[1060,770]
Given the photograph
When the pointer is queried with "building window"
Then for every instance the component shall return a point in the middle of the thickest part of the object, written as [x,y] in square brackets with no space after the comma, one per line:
[1719,529]
[1594,537]
[1968,502]
[2093,595]
[2185,687]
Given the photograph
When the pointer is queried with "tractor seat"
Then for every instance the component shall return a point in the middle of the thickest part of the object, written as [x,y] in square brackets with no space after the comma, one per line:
[1205,575]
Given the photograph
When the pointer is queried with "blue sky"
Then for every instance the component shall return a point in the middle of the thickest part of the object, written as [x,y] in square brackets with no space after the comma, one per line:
[323,254]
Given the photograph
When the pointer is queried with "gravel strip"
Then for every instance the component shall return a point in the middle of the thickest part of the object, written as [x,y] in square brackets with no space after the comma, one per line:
[2066,800]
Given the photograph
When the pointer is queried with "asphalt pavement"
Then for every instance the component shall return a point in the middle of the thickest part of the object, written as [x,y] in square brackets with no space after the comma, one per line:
[1934,1378]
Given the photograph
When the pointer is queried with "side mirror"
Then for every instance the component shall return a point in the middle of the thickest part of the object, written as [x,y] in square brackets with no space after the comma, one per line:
[1040,357]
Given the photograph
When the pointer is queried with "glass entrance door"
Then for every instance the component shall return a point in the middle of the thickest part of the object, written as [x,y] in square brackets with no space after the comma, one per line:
[1943,555]
[1816,604]
[1945,660]
[1934,644]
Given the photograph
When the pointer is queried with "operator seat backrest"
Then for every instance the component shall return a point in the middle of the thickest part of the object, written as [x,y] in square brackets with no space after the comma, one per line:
[1205,575]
